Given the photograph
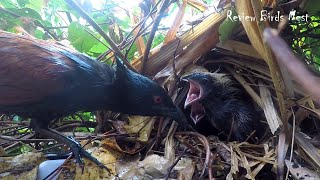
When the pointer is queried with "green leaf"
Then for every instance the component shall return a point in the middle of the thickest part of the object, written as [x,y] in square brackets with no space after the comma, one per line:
[312,7]
[57,5]
[124,23]
[38,34]
[7,21]
[8,4]
[158,39]
[101,20]
[98,49]
[23,3]
[26,12]
[35,5]
[227,27]
[80,38]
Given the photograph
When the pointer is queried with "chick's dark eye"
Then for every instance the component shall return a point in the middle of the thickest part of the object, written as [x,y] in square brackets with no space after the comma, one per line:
[157,99]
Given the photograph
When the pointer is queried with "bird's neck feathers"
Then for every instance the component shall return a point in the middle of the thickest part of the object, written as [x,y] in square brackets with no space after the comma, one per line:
[124,86]
[116,92]
[125,78]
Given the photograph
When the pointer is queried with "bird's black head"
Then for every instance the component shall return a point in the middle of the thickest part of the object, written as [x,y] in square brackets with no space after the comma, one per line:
[138,95]
[202,85]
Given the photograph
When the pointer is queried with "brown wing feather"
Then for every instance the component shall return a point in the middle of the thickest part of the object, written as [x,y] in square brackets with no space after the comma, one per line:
[29,71]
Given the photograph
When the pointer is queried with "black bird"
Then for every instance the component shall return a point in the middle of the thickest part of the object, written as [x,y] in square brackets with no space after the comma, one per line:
[44,80]
[214,95]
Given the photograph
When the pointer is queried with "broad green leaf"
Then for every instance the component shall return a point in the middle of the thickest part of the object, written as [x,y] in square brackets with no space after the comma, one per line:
[38,34]
[102,20]
[8,22]
[35,5]
[98,49]
[23,3]
[124,23]
[312,7]
[57,5]
[8,4]
[26,12]
[158,39]
[47,23]
[80,38]
[227,27]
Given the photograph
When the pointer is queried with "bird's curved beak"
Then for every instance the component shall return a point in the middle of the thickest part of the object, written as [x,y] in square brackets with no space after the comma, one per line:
[178,116]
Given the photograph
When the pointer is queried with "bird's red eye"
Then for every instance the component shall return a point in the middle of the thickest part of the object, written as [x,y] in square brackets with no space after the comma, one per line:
[157,99]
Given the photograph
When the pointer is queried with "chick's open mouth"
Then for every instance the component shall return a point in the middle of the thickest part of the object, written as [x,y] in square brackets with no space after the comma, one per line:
[195,94]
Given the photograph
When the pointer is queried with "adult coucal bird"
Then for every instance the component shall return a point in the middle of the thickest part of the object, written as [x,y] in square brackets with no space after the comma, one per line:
[44,80]
[214,95]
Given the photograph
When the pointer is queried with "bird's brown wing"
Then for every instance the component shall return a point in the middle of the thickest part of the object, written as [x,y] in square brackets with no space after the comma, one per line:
[30,69]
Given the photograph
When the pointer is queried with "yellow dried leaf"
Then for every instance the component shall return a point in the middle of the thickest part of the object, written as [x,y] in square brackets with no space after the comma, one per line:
[141,125]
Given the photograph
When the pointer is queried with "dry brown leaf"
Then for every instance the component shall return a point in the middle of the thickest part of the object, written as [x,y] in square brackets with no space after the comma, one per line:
[191,53]
[268,2]
[129,169]
[234,161]
[22,162]
[301,114]
[262,164]
[186,168]
[308,148]
[205,33]
[240,48]
[111,144]
[28,175]
[299,172]
[119,126]
[269,110]
[224,152]
[254,31]
[139,42]
[23,166]
[198,4]
[176,23]
[2,151]
[91,171]
[155,165]
[229,176]
[244,8]
[169,151]
[244,162]
[142,125]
